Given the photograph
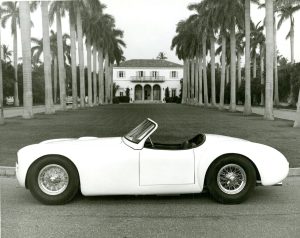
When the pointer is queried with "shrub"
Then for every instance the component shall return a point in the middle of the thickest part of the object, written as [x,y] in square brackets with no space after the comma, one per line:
[124,99]
[116,100]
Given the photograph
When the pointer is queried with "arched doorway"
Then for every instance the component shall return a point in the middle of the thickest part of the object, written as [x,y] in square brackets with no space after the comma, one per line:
[147,92]
[156,93]
[138,92]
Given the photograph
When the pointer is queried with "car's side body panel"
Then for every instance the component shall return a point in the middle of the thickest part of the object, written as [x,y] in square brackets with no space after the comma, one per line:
[167,167]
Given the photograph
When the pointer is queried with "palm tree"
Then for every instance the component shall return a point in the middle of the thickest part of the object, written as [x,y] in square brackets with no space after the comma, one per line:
[95,91]
[71,7]
[204,23]
[25,23]
[240,47]
[6,54]
[247,104]
[57,10]
[1,81]
[269,61]
[47,59]
[100,76]
[257,38]
[287,12]
[162,56]
[78,8]
[11,11]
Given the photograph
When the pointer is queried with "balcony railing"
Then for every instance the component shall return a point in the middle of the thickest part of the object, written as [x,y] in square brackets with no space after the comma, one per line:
[147,79]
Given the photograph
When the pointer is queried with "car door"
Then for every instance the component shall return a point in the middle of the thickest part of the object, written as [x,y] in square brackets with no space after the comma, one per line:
[166,167]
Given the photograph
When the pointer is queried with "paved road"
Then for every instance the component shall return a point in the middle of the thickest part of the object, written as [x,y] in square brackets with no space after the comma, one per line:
[270,212]
[285,114]
[18,111]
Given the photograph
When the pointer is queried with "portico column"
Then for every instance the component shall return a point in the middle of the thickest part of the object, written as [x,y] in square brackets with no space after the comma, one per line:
[162,94]
[143,92]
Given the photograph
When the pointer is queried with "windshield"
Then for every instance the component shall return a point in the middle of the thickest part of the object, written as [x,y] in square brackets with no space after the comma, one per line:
[140,132]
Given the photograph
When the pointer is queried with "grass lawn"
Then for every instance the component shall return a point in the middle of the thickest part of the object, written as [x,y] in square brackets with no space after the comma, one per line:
[176,123]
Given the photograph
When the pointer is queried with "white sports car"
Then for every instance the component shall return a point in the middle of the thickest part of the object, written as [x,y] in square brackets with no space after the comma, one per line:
[55,170]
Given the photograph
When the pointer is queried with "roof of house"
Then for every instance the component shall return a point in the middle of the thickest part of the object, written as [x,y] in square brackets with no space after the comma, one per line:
[148,63]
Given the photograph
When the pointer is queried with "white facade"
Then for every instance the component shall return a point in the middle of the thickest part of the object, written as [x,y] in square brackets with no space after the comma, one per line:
[147,84]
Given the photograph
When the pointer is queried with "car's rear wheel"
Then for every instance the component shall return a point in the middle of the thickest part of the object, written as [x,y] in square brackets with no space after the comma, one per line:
[231,179]
[53,180]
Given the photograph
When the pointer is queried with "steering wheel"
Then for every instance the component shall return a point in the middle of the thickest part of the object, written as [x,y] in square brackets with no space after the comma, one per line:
[152,145]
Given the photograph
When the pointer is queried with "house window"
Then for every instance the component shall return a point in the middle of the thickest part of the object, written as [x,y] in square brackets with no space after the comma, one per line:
[154,74]
[141,73]
[121,74]
[173,92]
[121,94]
[174,74]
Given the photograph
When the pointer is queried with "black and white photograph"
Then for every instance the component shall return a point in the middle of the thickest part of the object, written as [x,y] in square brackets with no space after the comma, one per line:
[150,118]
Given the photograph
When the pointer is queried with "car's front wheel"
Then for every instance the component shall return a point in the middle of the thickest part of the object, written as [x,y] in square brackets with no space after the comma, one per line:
[53,180]
[231,179]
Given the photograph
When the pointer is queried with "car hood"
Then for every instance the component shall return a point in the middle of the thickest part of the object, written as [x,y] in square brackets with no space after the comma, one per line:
[106,140]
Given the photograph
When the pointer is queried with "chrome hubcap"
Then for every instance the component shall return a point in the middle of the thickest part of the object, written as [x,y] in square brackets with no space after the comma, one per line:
[231,179]
[53,179]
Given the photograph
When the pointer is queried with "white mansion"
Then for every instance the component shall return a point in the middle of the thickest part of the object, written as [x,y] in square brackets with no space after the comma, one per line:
[147,79]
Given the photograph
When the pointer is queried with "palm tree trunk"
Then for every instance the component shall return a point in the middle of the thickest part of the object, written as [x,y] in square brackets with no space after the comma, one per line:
[55,79]
[223,72]
[89,70]
[49,109]
[184,83]
[227,74]
[247,104]
[276,93]
[239,69]
[269,61]
[204,70]
[73,62]
[1,84]
[101,77]
[212,71]
[297,119]
[232,106]
[200,81]
[111,82]
[25,23]
[254,66]
[188,81]
[262,68]
[292,42]
[95,91]
[80,56]
[197,81]
[61,63]
[107,86]
[16,89]
[192,81]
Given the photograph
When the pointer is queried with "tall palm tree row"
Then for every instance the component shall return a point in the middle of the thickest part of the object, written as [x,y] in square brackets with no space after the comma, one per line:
[212,19]
[11,11]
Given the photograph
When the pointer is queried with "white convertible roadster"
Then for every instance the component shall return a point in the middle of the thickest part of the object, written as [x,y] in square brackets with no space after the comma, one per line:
[55,170]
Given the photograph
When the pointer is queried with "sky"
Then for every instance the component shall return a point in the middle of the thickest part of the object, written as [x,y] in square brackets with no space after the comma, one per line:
[149,27]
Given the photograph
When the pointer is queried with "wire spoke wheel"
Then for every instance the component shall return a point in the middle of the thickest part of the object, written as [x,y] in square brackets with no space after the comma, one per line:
[231,178]
[53,179]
